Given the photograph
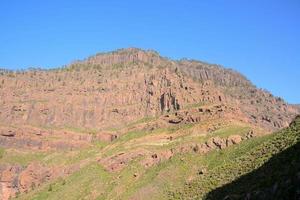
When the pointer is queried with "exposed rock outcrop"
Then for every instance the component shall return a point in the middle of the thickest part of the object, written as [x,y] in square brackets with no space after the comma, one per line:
[119,161]
[15,179]
[128,85]
[38,139]
[9,181]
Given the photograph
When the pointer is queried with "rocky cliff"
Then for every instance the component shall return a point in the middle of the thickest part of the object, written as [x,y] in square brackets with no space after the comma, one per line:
[112,89]
[125,110]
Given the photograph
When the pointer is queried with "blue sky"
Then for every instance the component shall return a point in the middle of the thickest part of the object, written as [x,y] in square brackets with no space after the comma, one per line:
[259,38]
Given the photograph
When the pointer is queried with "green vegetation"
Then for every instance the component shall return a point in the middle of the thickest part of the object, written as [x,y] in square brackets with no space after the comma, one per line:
[253,157]
[50,158]
[80,130]
[87,183]
[19,157]
[2,151]
[140,121]
[231,130]
[132,124]
[184,176]
[195,105]
[69,128]
[159,179]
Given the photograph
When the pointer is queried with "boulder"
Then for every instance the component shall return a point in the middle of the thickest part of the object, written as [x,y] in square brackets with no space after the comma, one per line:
[233,139]
[175,120]
[219,142]
[106,137]
[8,133]
[9,181]
[34,175]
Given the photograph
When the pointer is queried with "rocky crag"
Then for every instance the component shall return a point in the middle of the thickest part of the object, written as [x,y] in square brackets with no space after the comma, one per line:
[118,87]
[118,108]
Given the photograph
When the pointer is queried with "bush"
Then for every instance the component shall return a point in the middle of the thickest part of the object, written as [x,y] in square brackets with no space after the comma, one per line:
[2,151]
[50,188]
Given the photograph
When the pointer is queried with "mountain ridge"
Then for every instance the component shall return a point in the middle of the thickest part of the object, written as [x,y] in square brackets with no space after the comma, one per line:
[143,66]
[123,114]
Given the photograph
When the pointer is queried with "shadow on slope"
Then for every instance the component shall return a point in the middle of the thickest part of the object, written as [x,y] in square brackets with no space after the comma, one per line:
[279,178]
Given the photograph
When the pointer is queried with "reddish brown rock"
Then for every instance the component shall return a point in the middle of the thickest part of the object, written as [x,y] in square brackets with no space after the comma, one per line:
[34,175]
[7,132]
[121,160]
[37,139]
[130,84]
[16,179]
[107,137]
[155,158]
[9,181]
[220,143]
[233,139]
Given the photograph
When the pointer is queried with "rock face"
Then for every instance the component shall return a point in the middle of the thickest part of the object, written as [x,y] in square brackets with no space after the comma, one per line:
[96,100]
[127,85]
[38,139]
[33,176]
[214,143]
[118,162]
[9,181]
[105,136]
[195,115]
[15,179]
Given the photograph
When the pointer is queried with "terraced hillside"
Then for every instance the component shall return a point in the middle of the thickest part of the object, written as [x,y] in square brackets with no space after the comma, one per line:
[266,167]
[131,124]
[120,169]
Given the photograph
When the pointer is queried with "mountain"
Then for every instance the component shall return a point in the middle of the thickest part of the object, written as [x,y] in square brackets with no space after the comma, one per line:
[107,127]
[118,87]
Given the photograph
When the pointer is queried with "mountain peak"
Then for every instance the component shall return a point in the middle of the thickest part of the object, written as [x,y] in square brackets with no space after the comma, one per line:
[134,50]
[126,55]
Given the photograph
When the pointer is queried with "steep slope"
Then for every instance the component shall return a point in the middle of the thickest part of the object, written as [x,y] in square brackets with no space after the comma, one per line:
[124,168]
[269,170]
[186,174]
[115,125]
[109,90]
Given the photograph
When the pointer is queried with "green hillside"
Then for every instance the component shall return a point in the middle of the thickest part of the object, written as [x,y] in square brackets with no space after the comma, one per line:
[264,168]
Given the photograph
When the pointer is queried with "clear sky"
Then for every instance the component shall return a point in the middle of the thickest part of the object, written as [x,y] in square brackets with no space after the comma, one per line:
[259,38]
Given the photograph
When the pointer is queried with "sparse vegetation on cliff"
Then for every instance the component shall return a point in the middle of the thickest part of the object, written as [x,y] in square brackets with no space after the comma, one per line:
[131,124]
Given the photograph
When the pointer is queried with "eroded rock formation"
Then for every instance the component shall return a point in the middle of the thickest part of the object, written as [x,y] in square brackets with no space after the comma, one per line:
[127,85]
